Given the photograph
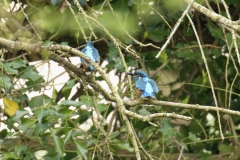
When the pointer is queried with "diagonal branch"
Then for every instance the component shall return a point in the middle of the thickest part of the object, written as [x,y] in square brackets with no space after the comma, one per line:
[214,16]
[209,75]
[175,28]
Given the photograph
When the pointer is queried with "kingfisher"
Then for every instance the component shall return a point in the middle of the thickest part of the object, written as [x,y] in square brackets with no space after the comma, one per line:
[93,55]
[145,86]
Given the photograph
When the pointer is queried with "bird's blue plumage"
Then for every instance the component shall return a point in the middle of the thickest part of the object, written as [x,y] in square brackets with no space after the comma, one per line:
[146,85]
[91,53]
[141,73]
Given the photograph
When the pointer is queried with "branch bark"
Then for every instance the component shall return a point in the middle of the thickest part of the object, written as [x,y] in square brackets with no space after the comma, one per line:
[214,16]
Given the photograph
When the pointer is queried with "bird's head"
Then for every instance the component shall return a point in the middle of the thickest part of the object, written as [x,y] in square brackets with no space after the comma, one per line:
[138,74]
[141,73]
[89,43]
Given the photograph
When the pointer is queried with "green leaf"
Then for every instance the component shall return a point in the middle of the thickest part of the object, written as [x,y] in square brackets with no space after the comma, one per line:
[5,81]
[84,115]
[48,43]
[90,142]
[19,114]
[81,149]
[68,88]
[114,134]
[8,69]
[43,126]
[223,148]
[47,9]
[65,111]
[121,145]
[64,43]
[18,63]
[58,143]
[119,64]
[174,6]
[3,133]
[68,136]
[215,32]
[54,94]
[10,123]
[41,113]
[112,51]
[194,127]
[102,107]
[87,100]
[71,103]
[53,115]
[39,101]
[157,35]
[164,57]
[126,146]
[145,35]
[204,74]
[9,155]
[27,123]
[167,129]
[143,112]
[19,148]
[185,100]
[149,131]
[192,136]
[31,75]
[131,2]
[45,54]
[35,84]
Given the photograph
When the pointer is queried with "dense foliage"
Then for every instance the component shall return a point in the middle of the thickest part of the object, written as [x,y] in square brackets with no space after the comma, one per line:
[128,35]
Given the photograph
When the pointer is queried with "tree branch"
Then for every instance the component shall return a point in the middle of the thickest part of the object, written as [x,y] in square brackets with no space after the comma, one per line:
[214,16]
[182,105]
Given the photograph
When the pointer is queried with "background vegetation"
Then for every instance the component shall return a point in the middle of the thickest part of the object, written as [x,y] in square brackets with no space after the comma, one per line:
[192,52]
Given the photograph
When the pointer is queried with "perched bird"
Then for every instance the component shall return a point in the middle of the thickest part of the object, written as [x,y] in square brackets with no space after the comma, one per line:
[145,87]
[92,53]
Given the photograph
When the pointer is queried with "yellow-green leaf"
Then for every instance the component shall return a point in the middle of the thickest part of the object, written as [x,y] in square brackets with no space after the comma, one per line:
[145,34]
[10,107]
[164,57]
[204,74]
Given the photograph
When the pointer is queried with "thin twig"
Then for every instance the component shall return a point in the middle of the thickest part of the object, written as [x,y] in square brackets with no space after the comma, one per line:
[85,17]
[175,28]
[156,116]
[181,153]
[30,22]
[76,18]
[209,75]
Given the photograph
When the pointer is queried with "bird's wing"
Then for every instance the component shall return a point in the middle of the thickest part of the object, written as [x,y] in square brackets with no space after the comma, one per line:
[141,84]
[154,85]
[84,50]
[95,55]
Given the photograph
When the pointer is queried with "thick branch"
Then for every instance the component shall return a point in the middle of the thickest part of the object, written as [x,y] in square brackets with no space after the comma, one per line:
[214,16]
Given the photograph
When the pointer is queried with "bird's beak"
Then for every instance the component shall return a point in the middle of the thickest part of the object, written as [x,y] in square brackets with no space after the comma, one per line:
[131,74]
